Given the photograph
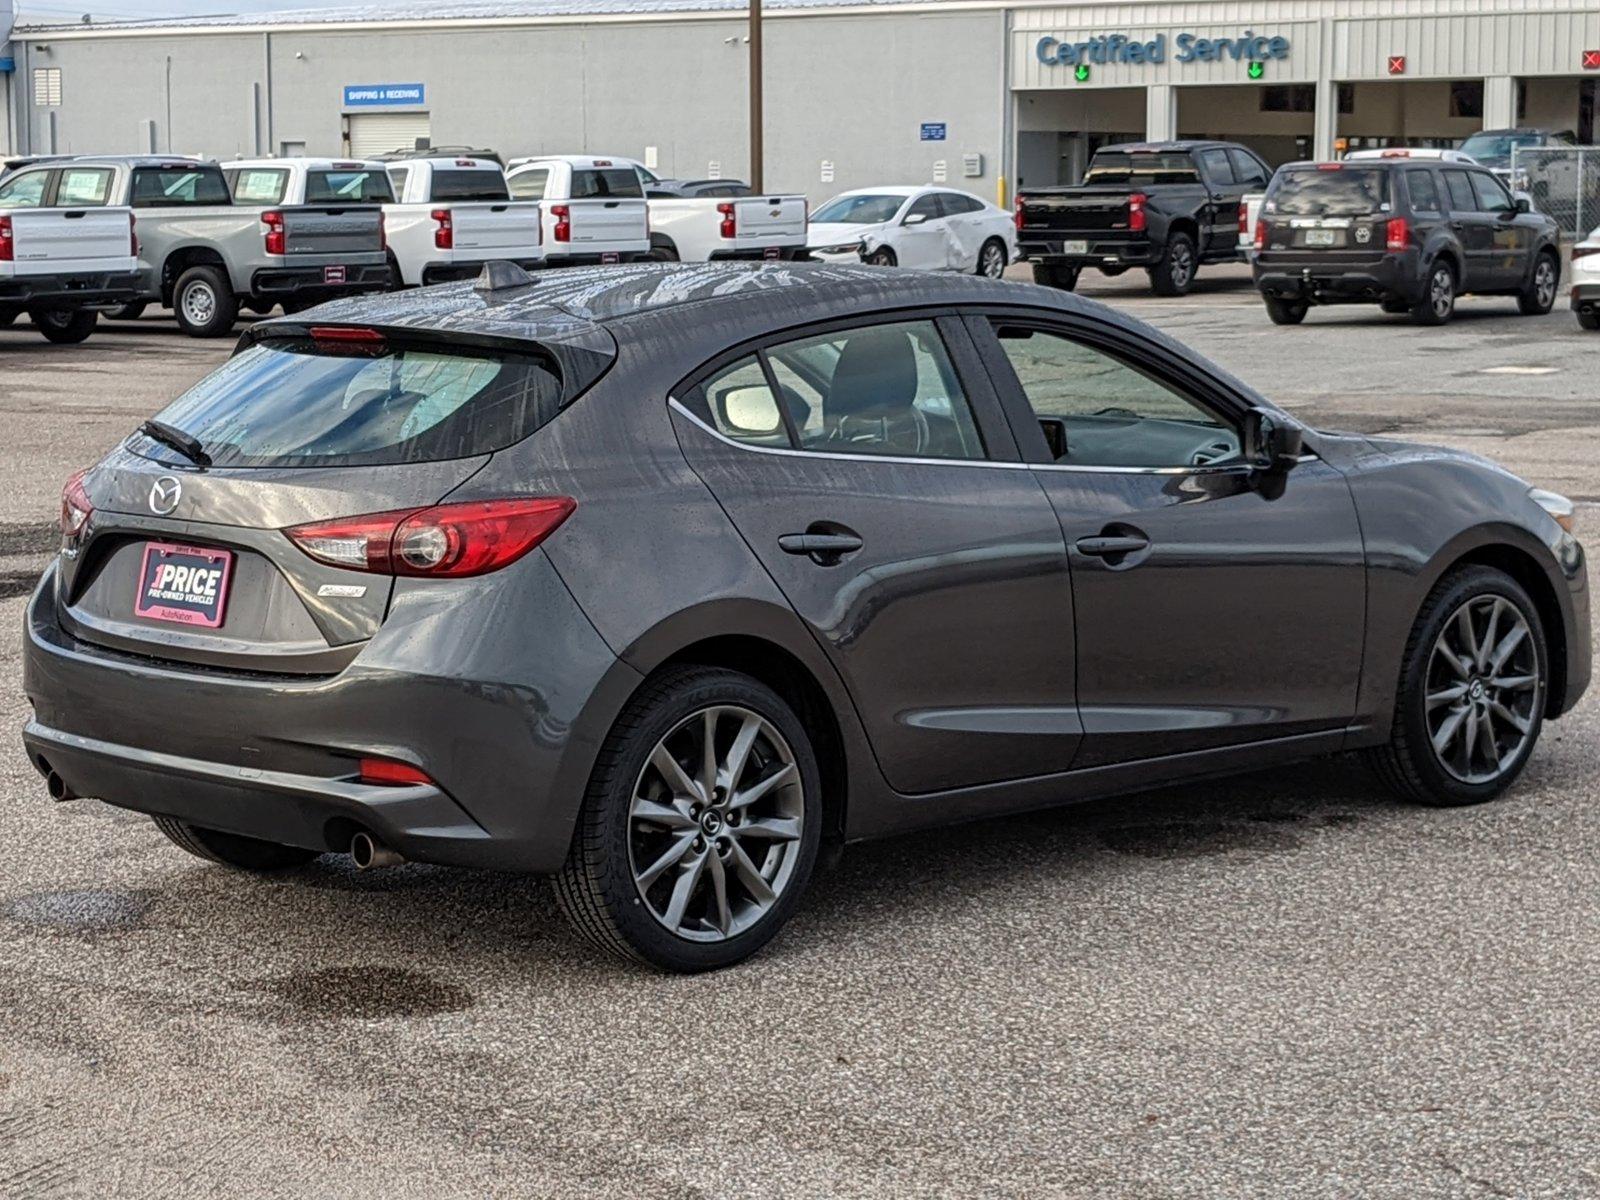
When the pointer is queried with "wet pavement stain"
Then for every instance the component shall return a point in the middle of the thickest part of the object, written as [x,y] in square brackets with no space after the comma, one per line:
[29,538]
[344,993]
[1198,839]
[84,913]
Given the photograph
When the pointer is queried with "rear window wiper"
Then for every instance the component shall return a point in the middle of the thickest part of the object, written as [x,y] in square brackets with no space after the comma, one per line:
[178,440]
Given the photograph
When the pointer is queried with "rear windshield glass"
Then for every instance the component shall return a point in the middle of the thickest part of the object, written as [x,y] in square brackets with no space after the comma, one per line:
[292,403]
[589,184]
[169,187]
[1347,192]
[348,187]
[1118,167]
[469,185]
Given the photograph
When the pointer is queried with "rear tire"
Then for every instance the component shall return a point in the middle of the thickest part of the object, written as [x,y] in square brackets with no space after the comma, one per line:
[64,326]
[204,303]
[1052,276]
[1174,274]
[992,259]
[1589,320]
[1438,303]
[664,254]
[641,877]
[1439,661]
[1395,308]
[1539,297]
[1286,312]
[232,849]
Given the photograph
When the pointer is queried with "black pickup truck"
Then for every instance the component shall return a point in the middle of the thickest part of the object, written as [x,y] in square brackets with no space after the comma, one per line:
[1166,206]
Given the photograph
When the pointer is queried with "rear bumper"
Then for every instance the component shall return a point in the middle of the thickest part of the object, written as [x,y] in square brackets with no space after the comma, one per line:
[762,254]
[1586,297]
[1101,251]
[508,727]
[94,289]
[470,268]
[594,260]
[313,281]
[1319,281]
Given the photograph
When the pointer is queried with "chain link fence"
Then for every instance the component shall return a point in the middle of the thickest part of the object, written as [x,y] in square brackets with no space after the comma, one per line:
[1564,182]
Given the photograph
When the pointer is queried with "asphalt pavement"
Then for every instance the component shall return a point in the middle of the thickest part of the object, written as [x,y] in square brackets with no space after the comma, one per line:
[1280,985]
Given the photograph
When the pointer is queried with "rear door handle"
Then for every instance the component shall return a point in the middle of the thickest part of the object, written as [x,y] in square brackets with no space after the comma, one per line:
[1110,546]
[825,548]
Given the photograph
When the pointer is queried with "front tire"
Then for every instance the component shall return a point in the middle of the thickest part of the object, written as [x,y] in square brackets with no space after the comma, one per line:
[881,257]
[1438,303]
[1471,696]
[64,326]
[689,860]
[1286,312]
[1174,274]
[1052,276]
[1539,297]
[232,849]
[992,259]
[128,312]
[204,303]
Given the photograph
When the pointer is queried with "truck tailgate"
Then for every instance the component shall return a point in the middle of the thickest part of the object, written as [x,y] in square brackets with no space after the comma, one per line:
[1079,210]
[769,220]
[327,230]
[511,226]
[50,241]
[621,225]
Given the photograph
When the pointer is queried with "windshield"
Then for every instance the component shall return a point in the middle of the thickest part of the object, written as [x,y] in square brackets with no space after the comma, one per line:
[295,403]
[1346,192]
[1494,149]
[858,210]
[358,186]
[1116,166]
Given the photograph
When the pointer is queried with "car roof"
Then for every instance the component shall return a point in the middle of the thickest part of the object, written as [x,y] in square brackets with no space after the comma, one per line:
[142,160]
[312,164]
[1173,147]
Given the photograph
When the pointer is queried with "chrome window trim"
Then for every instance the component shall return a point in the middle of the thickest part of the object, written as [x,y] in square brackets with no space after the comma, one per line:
[788,452]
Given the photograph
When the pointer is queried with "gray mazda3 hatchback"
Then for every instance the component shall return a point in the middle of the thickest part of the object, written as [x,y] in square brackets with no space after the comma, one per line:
[661,579]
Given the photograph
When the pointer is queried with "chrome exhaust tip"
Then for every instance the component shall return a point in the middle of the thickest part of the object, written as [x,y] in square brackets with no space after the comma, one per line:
[368,853]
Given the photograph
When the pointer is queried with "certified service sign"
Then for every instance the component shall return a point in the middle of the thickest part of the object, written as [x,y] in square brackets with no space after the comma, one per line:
[384,95]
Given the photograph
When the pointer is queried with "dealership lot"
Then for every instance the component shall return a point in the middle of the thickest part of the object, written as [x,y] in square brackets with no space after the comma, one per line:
[1277,985]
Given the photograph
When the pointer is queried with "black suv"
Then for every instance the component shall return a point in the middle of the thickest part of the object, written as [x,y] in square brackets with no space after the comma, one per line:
[1402,230]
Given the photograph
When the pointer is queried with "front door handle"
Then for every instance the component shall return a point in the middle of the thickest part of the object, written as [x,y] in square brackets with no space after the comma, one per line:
[820,547]
[1112,545]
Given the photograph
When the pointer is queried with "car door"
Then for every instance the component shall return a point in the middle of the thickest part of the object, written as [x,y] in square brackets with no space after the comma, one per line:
[1221,213]
[1511,237]
[963,218]
[886,501]
[1210,610]
[921,235]
[1474,228]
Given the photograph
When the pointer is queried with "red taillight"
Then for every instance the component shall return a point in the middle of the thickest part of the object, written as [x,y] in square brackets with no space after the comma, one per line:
[1136,219]
[133,235]
[444,237]
[1397,235]
[277,238]
[344,333]
[1016,214]
[563,215]
[1584,251]
[8,241]
[1261,234]
[729,226]
[1330,166]
[75,506]
[472,537]
[391,773]
[383,231]
[1244,217]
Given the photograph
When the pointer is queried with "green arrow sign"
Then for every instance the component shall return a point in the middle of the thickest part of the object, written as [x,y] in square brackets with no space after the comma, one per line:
[1082,73]
[1256,70]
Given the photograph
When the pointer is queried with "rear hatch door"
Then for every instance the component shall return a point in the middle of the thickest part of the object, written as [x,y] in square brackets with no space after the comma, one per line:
[1330,215]
[56,241]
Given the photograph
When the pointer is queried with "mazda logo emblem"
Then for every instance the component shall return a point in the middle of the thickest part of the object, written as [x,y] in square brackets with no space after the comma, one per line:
[164,495]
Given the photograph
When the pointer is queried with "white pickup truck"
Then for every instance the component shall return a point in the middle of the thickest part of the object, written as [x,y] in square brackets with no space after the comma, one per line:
[593,209]
[452,215]
[64,252]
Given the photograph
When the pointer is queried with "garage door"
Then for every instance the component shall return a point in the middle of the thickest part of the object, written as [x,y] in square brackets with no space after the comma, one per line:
[378,133]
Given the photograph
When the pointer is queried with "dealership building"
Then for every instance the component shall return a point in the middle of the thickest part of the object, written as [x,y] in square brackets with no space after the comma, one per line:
[977,93]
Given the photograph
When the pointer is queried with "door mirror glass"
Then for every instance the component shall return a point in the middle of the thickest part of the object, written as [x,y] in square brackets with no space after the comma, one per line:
[1523,201]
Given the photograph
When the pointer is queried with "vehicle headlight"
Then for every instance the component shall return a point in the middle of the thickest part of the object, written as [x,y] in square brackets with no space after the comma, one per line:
[845,248]
[1557,506]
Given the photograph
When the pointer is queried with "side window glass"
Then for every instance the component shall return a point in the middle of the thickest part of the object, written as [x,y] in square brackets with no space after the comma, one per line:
[1492,196]
[25,190]
[259,186]
[883,389]
[742,406]
[1247,170]
[529,185]
[1460,189]
[1101,412]
[1215,165]
[925,206]
[397,180]
[1424,192]
[83,187]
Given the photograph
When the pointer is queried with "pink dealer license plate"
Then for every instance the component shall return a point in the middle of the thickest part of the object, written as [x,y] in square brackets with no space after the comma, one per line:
[184,584]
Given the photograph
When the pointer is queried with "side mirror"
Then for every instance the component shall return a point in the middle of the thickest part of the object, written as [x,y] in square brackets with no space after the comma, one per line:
[1272,441]
[914,219]
[1055,436]
[1524,202]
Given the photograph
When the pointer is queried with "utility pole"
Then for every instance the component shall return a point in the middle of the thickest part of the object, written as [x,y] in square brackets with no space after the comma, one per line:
[756,183]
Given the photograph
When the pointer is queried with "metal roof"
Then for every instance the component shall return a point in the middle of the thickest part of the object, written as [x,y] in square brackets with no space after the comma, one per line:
[463,11]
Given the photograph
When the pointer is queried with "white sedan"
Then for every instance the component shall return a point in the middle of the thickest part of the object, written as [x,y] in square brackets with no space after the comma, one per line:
[930,228]
[1586,281]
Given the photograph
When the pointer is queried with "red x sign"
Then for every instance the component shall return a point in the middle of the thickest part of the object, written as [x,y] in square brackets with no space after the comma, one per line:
[1591,60]
[1397,64]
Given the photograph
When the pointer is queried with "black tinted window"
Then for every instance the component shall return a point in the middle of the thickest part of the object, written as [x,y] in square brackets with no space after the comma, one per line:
[1216,166]
[1116,166]
[170,187]
[1492,197]
[1460,190]
[1424,192]
[298,403]
[469,185]
[1248,170]
[613,182]
[348,187]
[926,206]
[1337,192]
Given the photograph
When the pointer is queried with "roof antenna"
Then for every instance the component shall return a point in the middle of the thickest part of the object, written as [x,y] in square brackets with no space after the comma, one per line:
[499,275]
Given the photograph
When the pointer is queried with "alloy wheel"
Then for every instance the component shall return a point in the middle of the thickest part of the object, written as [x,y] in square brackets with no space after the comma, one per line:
[715,823]
[1442,292]
[994,263]
[1544,284]
[1483,689]
[1182,264]
[199,303]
